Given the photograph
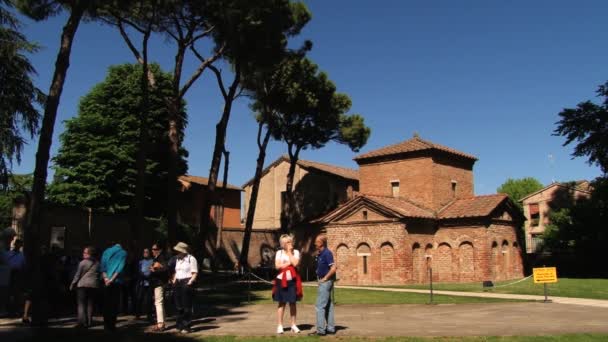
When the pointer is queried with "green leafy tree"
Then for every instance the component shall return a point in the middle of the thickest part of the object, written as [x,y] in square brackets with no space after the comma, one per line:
[254,37]
[517,189]
[96,164]
[143,17]
[260,87]
[18,95]
[580,231]
[308,112]
[587,125]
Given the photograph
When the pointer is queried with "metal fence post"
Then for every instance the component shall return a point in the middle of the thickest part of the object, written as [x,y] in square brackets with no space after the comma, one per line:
[431,282]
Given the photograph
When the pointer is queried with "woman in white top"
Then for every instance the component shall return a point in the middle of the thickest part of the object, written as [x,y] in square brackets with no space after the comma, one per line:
[186,271]
[286,260]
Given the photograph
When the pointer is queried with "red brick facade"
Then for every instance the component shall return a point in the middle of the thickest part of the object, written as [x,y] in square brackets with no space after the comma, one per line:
[417,211]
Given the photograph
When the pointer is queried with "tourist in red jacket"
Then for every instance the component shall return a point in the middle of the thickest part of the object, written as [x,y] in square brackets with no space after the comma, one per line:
[287,285]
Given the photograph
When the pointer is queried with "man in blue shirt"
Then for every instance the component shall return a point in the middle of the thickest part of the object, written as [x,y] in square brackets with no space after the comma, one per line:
[326,269]
[112,265]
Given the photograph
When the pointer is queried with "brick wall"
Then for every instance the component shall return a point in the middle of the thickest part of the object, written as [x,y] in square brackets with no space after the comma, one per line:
[424,177]
[191,204]
[398,252]
[380,246]
[446,169]
[415,180]
[315,193]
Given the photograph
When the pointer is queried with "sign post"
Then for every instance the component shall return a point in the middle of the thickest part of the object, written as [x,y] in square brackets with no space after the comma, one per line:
[545,275]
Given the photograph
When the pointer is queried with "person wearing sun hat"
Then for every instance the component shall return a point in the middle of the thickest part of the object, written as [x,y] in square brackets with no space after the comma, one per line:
[186,271]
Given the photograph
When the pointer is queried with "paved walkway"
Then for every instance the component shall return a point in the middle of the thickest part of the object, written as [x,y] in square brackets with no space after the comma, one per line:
[562,316]
[496,319]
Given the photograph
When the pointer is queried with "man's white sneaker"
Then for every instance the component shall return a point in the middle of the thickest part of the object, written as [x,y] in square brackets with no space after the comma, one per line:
[294,329]
[280,329]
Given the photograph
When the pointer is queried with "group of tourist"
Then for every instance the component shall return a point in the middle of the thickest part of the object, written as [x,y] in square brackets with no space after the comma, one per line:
[155,272]
[107,276]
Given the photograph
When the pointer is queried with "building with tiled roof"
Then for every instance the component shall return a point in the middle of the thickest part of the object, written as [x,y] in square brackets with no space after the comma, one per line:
[191,200]
[416,211]
[539,204]
[317,187]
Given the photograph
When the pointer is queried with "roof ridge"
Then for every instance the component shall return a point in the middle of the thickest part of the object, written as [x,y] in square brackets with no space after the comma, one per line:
[326,164]
[412,145]
[407,200]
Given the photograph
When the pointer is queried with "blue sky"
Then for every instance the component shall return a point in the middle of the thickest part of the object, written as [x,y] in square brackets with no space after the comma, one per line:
[484,77]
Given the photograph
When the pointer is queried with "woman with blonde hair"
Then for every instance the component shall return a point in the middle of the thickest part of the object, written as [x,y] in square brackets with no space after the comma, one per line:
[287,285]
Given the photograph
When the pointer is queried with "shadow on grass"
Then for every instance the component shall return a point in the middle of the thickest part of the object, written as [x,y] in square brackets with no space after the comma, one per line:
[222,300]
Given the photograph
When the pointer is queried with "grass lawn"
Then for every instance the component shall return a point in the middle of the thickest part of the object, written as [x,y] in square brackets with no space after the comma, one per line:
[565,287]
[261,294]
[69,335]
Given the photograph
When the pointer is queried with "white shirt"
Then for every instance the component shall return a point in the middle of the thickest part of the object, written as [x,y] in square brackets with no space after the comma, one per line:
[283,260]
[185,267]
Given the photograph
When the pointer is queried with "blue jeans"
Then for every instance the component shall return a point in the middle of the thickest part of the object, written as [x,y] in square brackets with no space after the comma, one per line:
[325,308]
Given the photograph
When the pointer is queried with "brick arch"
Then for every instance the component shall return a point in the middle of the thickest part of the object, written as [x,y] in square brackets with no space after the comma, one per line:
[388,272]
[385,240]
[466,262]
[342,261]
[418,263]
[364,264]
[494,260]
[442,262]
[462,239]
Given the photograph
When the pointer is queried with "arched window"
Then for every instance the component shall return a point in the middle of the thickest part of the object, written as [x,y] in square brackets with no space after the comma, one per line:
[364,252]
[466,262]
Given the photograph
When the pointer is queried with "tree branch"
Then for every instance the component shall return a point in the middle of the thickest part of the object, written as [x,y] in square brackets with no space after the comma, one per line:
[130,44]
[204,34]
[220,82]
[204,64]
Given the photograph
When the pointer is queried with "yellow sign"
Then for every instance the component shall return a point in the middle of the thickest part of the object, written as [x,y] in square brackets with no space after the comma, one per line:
[545,275]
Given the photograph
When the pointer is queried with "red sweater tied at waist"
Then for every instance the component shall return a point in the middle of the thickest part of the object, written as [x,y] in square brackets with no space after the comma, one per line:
[294,275]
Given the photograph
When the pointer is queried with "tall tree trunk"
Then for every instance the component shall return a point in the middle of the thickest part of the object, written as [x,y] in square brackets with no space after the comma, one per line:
[142,152]
[172,181]
[244,257]
[32,228]
[222,199]
[220,145]
[287,212]
[175,125]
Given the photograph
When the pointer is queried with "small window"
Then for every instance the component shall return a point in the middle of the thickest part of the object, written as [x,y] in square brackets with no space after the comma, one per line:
[534,214]
[454,186]
[395,188]
[364,212]
[365,264]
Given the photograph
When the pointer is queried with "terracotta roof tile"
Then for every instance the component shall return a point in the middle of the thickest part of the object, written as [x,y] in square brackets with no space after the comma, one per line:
[204,181]
[336,170]
[478,206]
[411,145]
[402,206]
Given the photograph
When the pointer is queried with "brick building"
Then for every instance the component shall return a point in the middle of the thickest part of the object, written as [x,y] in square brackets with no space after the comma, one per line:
[417,209]
[537,206]
[317,189]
